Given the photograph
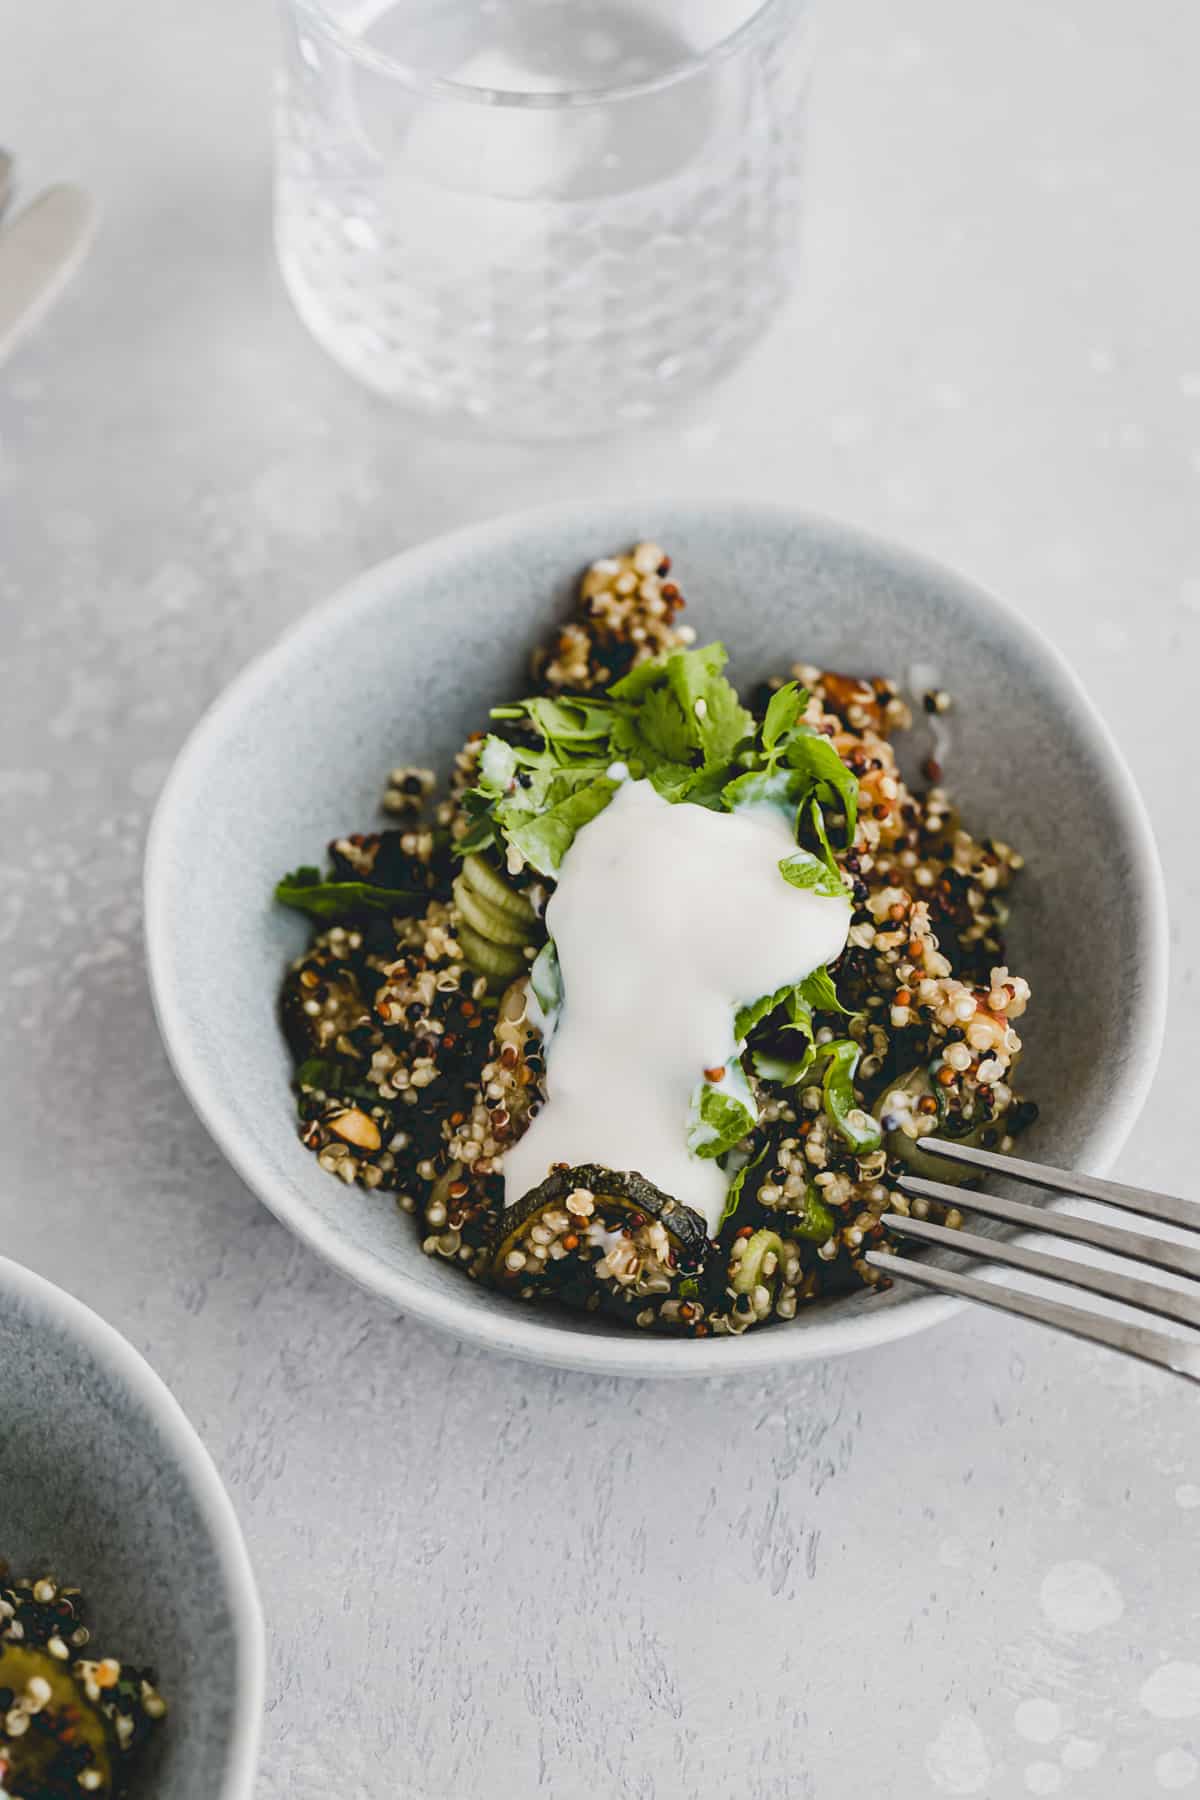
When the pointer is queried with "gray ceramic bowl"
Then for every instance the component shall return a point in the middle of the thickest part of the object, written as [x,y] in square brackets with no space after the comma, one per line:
[105,1483]
[405,661]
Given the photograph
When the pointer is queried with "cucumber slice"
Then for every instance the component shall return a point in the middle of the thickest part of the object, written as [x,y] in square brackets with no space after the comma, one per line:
[497,927]
[497,961]
[492,887]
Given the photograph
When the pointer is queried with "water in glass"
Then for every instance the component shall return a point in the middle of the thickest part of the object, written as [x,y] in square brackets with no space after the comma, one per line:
[550,216]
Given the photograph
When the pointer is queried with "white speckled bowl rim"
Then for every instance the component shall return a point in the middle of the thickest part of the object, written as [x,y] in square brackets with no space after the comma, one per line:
[146,1394]
[501,1326]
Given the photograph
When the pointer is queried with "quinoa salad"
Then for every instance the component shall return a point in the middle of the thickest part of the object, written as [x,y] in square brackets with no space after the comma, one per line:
[72,1722]
[644,1012]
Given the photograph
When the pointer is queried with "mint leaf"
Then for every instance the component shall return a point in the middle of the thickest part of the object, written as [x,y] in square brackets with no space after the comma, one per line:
[306,892]
[841,1102]
[819,991]
[733,1197]
[543,838]
[841,1058]
[753,1014]
[722,1113]
[804,870]
[800,1011]
[788,1072]
[816,993]
[545,978]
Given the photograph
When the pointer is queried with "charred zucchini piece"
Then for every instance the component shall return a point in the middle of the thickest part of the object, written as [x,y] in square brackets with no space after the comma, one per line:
[914,1087]
[65,1736]
[322,1001]
[608,1199]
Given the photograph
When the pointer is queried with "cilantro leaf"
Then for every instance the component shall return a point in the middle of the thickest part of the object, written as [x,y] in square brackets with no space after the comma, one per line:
[814,758]
[681,710]
[662,729]
[804,870]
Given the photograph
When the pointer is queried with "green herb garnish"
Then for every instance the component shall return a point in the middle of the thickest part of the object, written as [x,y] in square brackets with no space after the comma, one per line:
[723,1113]
[678,723]
[308,892]
[733,1198]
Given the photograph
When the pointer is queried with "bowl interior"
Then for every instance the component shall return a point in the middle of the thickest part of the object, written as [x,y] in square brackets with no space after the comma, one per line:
[410,658]
[98,1490]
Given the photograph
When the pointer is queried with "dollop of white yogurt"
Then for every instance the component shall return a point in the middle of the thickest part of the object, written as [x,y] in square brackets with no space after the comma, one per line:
[666,919]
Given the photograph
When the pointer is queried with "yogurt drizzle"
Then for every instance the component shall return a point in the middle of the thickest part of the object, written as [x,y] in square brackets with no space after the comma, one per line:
[666,919]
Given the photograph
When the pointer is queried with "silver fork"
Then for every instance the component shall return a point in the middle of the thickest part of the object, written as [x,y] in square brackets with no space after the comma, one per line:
[1178,1354]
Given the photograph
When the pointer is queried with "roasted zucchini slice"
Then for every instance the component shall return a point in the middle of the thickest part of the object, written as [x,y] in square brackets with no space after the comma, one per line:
[63,1737]
[912,1088]
[581,1212]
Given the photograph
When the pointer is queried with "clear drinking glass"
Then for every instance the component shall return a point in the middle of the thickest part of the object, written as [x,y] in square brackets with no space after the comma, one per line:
[548,216]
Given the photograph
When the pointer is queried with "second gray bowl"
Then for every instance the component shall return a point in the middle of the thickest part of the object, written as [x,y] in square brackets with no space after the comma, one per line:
[104,1483]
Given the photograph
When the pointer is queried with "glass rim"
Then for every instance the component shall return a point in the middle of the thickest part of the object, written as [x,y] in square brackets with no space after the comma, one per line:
[443,88]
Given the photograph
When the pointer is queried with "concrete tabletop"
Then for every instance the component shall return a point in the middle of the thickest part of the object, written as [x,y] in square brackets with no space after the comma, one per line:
[965,1564]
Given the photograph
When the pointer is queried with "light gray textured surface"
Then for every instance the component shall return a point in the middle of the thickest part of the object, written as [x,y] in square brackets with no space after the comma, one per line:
[857,1580]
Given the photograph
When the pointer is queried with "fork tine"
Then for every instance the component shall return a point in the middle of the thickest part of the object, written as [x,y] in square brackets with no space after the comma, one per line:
[1142,1341]
[1180,1259]
[1167,1208]
[1129,1290]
